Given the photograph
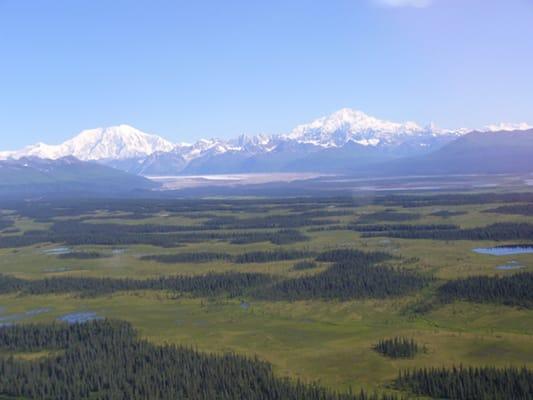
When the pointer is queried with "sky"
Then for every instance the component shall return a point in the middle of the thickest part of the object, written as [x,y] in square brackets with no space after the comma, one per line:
[210,68]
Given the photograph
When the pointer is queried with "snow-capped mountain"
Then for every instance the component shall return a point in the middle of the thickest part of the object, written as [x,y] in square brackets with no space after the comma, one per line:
[343,141]
[205,147]
[508,127]
[349,125]
[254,144]
[112,143]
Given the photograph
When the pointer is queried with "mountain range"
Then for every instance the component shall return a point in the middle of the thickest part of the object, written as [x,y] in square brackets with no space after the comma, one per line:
[347,141]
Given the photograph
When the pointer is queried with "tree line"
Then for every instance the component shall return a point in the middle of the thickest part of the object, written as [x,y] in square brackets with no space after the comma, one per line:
[87,208]
[398,347]
[304,265]
[447,213]
[470,383]
[47,210]
[387,215]
[107,360]
[513,209]
[514,289]
[228,283]
[348,255]
[354,275]
[451,199]
[75,233]
[496,232]
[269,221]
[391,229]
[191,257]
[269,256]
[82,255]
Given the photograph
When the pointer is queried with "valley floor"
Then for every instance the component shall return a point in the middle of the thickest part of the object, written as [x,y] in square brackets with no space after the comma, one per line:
[311,338]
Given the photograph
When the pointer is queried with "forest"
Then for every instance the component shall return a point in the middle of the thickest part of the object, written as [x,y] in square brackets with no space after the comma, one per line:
[387,216]
[346,280]
[279,293]
[390,229]
[303,265]
[514,209]
[398,347]
[107,360]
[515,290]
[353,274]
[497,232]
[212,284]
[243,258]
[72,233]
[47,210]
[82,255]
[469,383]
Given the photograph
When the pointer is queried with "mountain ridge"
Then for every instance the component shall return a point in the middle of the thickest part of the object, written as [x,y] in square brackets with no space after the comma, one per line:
[336,142]
[115,142]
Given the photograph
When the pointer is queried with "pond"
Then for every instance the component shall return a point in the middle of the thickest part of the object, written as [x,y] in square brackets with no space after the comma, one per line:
[79,317]
[10,319]
[56,251]
[38,311]
[509,266]
[504,250]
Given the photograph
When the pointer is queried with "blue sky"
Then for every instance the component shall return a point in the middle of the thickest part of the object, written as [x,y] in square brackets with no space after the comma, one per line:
[191,69]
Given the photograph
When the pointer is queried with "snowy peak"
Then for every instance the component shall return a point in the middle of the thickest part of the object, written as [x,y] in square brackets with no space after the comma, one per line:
[348,125]
[116,142]
[504,126]
[129,148]
[356,121]
[40,150]
[204,147]
[253,144]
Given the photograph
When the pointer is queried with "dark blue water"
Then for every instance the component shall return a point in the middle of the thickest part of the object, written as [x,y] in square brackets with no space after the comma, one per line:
[503,251]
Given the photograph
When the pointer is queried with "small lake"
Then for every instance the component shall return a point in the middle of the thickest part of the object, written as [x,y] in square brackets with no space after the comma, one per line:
[56,251]
[509,266]
[504,250]
[38,311]
[79,317]
[10,319]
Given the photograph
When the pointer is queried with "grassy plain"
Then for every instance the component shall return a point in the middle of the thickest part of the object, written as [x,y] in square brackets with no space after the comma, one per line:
[325,341]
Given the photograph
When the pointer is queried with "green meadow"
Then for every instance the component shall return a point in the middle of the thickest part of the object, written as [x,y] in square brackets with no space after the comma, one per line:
[315,340]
